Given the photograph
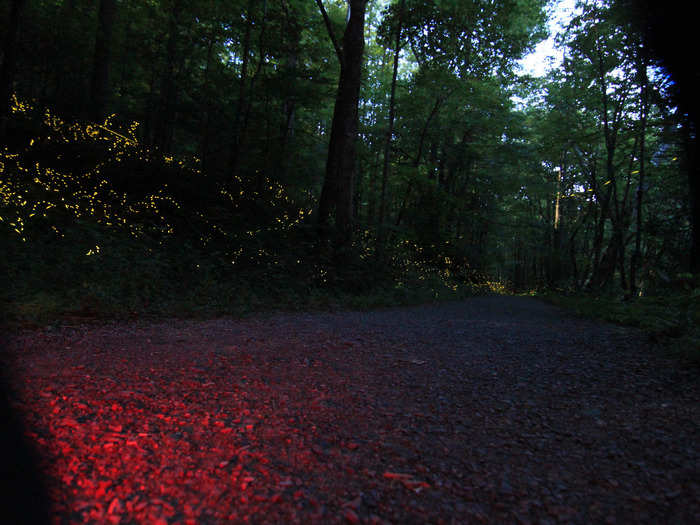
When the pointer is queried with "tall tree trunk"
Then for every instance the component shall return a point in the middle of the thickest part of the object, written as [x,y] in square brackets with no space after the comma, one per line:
[244,106]
[207,109]
[381,233]
[9,64]
[693,166]
[555,259]
[609,208]
[338,185]
[242,93]
[293,32]
[621,245]
[424,131]
[419,153]
[165,119]
[660,26]
[59,83]
[99,87]
[636,256]
[152,108]
[288,110]
[600,218]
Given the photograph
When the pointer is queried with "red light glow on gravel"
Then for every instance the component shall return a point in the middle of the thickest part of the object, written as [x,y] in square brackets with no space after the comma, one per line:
[133,430]
[157,449]
[491,410]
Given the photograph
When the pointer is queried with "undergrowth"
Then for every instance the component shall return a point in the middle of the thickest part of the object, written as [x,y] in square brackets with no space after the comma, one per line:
[58,282]
[94,225]
[671,320]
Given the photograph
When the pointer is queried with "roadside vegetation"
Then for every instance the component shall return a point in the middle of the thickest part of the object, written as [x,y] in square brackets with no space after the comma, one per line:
[671,320]
[213,169]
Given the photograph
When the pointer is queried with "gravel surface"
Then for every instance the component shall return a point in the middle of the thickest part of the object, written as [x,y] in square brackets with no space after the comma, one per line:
[494,410]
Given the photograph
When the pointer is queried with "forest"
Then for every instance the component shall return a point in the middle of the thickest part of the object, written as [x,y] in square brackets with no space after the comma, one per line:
[166,156]
[271,261]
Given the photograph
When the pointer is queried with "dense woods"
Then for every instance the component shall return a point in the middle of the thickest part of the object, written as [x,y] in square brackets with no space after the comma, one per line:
[168,166]
[221,153]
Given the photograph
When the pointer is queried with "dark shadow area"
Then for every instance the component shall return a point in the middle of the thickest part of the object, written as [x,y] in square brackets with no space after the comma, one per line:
[23,493]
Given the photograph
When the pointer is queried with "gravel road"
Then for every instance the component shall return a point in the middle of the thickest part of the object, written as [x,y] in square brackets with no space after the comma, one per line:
[493,410]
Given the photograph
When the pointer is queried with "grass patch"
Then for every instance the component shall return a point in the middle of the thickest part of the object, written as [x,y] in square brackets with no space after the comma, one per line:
[127,281]
[672,320]
[106,301]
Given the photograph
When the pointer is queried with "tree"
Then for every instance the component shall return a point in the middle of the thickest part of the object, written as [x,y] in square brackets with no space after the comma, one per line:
[667,32]
[165,117]
[99,87]
[338,185]
[390,130]
[606,140]
[451,110]
[9,63]
[410,135]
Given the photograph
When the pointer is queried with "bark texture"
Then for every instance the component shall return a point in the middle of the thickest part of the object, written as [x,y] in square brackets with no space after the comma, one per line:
[337,193]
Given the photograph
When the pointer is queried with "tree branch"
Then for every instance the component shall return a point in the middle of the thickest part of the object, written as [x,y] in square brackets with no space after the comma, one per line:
[421,63]
[331,34]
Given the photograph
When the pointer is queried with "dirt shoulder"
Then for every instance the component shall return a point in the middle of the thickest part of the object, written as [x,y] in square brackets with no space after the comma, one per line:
[494,409]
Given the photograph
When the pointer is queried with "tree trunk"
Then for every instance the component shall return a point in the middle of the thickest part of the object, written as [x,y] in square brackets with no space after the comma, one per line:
[424,131]
[636,256]
[661,26]
[242,93]
[165,119]
[609,208]
[338,185]
[381,233]
[9,64]
[207,109]
[693,160]
[246,88]
[293,32]
[555,258]
[596,276]
[99,87]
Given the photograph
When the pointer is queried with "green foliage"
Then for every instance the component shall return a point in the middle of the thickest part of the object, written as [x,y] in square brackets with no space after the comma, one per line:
[207,206]
[573,221]
[671,319]
[120,230]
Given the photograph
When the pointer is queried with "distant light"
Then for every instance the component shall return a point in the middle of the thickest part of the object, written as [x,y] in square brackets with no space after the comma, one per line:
[546,56]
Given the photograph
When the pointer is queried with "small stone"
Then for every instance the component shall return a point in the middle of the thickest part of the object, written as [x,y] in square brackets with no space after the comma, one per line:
[351,516]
